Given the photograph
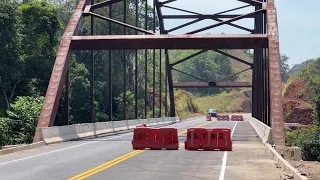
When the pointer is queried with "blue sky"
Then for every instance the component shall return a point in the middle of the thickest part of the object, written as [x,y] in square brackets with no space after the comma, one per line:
[299,23]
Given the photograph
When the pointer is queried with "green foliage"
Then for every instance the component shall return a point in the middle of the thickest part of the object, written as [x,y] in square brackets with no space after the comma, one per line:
[184,104]
[208,66]
[4,131]
[27,110]
[284,67]
[311,76]
[79,93]
[20,127]
[308,139]
[129,105]
[39,26]
[223,102]
[10,68]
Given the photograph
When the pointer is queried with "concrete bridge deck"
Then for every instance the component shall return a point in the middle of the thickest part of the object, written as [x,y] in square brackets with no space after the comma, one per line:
[112,157]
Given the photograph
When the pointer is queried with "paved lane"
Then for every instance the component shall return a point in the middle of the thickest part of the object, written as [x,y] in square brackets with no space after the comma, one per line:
[177,164]
[64,160]
[247,161]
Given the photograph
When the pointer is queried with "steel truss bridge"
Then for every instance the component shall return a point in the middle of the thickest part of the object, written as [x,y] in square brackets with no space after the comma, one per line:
[263,39]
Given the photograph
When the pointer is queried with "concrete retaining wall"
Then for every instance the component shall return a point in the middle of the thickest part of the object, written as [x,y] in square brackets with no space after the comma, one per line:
[77,131]
[263,131]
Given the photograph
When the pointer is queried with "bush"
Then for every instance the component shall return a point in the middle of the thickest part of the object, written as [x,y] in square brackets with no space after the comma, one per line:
[308,139]
[311,149]
[7,131]
[3,131]
[25,111]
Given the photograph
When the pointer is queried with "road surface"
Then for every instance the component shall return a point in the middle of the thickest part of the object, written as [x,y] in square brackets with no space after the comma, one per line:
[112,157]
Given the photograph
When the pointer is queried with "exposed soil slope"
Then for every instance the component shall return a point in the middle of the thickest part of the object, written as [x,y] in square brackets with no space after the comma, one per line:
[296,107]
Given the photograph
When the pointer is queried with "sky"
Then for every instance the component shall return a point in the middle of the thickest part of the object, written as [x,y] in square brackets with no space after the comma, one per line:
[298,21]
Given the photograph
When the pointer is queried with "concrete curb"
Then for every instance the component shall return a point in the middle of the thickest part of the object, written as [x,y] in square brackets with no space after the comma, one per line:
[284,164]
[57,134]
[77,135]
[22,147]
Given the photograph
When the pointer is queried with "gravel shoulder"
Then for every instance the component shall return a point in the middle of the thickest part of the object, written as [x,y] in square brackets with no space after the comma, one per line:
[311,169]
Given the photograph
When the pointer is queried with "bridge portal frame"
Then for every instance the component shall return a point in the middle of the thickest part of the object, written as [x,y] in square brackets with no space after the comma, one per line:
[266,82]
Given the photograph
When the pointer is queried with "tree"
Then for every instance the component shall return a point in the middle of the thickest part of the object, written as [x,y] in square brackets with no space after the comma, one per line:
[39,26]
[11,65]
[284,67]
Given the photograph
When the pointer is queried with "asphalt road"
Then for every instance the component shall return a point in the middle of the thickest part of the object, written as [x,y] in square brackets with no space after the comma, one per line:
[112,157]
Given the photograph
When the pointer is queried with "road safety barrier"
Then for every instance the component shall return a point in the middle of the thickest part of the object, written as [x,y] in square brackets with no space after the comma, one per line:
[141,125]
[155,138]
[208,117]
[263,131]
[77,131]
[223,118]
[236,118]
[208,139]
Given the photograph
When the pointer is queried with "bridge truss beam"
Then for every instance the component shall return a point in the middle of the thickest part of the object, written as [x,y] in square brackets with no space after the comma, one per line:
[266,82]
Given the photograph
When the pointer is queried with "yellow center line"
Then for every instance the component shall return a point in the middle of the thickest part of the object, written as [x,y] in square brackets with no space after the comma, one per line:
[118,160]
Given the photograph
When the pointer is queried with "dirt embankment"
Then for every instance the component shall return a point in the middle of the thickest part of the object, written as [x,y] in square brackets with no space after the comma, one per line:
[296,108]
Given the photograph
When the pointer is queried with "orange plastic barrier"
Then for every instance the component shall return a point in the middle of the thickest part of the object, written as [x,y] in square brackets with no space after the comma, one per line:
[208,139]
[141,125]
[236,118]
[208,117]
[155,138]
[223,118]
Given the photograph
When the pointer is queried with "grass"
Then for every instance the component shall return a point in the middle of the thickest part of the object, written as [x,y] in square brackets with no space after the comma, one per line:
[287,84]
[185,105]
[233,99]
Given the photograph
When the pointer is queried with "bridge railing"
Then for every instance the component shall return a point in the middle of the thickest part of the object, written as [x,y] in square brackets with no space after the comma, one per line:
[76,131]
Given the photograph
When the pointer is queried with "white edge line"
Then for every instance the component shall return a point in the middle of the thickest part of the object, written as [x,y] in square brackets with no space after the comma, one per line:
[224,158]
[50,152]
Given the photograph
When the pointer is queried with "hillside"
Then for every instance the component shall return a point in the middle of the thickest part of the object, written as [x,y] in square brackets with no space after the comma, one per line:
[238,66]
[231,100]
[185,105]
[296,69]
[296,108]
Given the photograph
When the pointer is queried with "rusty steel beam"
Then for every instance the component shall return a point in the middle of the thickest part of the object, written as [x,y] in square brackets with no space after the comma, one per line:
[276,109]
[252,2]
[212,85]
[104,4]
[201,18]
[59,72]
[226,21]
[120,23]
[169,81]
[233,57]
[219,41]
[204,16]
[188,57]
[166,2]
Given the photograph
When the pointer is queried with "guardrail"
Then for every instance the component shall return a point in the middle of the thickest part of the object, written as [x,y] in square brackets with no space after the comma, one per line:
[76,131]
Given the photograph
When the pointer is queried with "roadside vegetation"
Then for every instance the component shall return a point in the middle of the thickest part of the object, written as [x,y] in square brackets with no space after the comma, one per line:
[308,138]
[233,101]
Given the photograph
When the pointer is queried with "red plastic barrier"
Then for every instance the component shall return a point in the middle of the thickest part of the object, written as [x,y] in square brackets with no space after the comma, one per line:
[236,118]
[208,139]
[155,138]
[208,117]
[141,125]
[223,118]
